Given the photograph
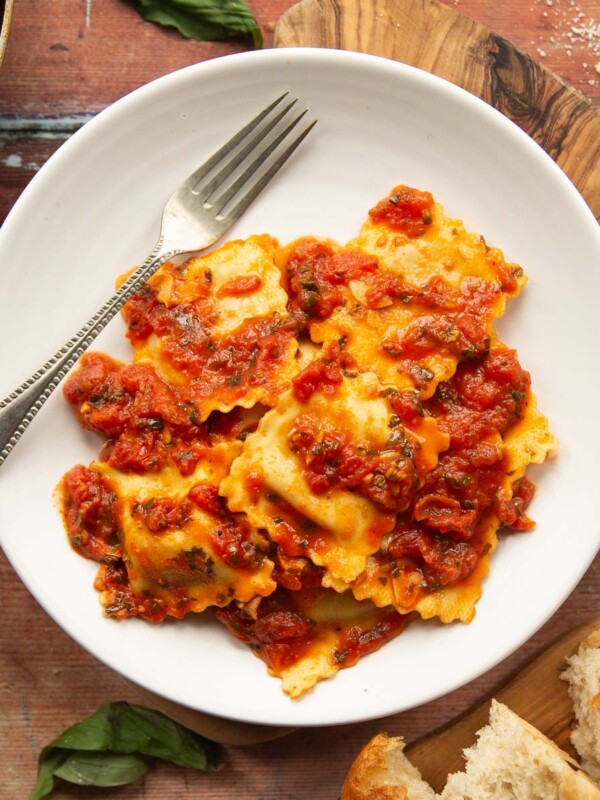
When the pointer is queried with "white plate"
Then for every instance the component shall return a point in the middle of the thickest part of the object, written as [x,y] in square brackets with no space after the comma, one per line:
[94,210]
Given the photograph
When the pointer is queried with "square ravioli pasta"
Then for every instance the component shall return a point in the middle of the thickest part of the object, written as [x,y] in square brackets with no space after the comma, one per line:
[167,544]
[322,442]
[330,466]
[308,635]
[413,295]
[437,555]
[216,325]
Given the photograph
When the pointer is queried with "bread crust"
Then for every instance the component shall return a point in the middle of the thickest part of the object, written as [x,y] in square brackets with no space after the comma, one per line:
[382,772]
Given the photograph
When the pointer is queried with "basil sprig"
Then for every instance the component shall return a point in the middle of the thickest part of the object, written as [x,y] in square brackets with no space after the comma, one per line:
[206,20]
[117,745]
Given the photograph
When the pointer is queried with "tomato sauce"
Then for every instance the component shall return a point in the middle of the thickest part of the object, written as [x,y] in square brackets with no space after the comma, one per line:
[482,400]
[325,373]
[160,514]
[295,573]
[442,561]
[230,535]
[120,602]
[110,398]
[145,314]
[316,271]
[331,460]
[91,514]
[281,633]
[296,535]
[237,287]
[251,356]
[149,423]
[485,397]
[453,322]
[230,365]
[354,643]
[405,210]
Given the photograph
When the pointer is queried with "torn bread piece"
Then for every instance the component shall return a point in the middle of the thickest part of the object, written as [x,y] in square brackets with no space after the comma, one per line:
[512,760]
[583,676]
[381,771]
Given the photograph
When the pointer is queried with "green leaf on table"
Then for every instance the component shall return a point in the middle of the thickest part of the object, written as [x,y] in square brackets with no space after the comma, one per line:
[86,768]
[206,20]
[116,744]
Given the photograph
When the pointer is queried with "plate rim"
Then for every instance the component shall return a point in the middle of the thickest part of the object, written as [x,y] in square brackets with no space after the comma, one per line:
[101,119]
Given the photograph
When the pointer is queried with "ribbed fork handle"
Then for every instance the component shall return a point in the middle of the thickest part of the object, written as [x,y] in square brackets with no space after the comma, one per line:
[20,407]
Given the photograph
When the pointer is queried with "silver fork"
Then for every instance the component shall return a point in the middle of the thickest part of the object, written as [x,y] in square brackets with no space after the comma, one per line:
[198,213]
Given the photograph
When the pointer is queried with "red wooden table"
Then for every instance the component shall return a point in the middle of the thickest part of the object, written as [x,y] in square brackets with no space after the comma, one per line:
[65,61]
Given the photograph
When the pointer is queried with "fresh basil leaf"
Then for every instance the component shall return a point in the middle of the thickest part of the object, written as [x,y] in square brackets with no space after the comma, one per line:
[106,748]
[49,761]
[142,730]
[206,20]
[86,768]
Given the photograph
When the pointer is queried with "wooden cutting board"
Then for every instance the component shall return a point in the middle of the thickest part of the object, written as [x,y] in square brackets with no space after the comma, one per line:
[436,38]
[536,693]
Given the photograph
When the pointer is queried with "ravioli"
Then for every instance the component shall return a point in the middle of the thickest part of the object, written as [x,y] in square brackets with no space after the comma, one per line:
[288,477]
[417,293]
[181,549]
[438,554]
[307,636]
[216,325]
[400,583]
[321,441]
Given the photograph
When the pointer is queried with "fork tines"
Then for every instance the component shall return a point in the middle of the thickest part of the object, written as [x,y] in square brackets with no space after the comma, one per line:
[234,176]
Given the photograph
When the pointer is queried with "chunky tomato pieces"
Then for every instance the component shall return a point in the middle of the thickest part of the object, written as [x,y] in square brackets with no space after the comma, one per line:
[120,602]
[331,460]
[442,561]
[477,406]
[405,210]
[315,273]
[232,364]
[484,397]
[279,630]
[355,642]
[92,515]
[453,322]
[325,373]
[149,423]
[295,573]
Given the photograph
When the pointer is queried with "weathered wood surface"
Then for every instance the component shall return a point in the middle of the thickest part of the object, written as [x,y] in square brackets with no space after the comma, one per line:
[536,693]
[429,35]
[68,60]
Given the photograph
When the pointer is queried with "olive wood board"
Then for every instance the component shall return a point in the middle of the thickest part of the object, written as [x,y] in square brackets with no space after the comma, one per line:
[536,693]
[436,38]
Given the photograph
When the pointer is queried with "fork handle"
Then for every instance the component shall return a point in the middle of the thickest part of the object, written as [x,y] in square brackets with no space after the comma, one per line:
[20,407]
